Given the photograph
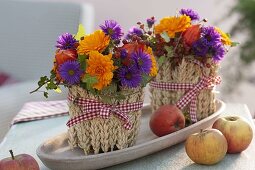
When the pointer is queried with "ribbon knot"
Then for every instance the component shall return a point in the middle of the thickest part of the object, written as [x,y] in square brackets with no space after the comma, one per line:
[104,112]
[93,108]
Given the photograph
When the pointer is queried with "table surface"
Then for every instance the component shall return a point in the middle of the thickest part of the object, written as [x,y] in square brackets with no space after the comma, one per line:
[26,137]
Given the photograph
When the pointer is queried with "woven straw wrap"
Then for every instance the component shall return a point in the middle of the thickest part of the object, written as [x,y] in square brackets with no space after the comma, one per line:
[103,135]
[185,70]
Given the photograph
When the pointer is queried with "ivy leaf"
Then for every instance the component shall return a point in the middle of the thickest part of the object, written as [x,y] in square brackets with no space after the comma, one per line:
[51,85]
[161,60]
[42,80]
[46,94]
[53,75]
[169,51]
[165,36]
[233,44]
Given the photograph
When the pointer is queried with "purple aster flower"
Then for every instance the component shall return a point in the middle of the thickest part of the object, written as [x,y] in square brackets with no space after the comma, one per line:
[66,41]
[191,13]
[142,61]
[70,72]
[134,31]
[123,53]
[210,35]
[200,48]
[218,52]
[129,77]
[150,21]
[112,28]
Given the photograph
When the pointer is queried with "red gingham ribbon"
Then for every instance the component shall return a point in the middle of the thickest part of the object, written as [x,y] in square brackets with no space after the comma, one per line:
[191,95]
[93,108]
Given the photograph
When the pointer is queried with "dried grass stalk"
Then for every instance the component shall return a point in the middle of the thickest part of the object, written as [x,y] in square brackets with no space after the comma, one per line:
[103,135]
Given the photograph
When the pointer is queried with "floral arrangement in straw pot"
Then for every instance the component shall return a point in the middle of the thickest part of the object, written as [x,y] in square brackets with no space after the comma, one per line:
[105,79]
[188,53]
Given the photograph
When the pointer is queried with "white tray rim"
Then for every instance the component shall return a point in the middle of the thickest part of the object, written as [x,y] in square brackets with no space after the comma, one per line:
[42,155]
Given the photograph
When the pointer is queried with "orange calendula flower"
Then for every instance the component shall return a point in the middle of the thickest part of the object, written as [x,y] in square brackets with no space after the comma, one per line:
[154,68]
[173,25]
[102,67]
[96,41]
[225,39]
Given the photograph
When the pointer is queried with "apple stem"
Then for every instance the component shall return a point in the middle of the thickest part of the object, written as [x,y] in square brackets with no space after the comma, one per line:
[201,130]
[232,118]
[11,154]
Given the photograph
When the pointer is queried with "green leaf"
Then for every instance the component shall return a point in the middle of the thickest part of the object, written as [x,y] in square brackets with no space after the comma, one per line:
[92,90]
[51,85]
[233,44]
[117,62]
[106,99]
[111,89]
[165,36]
[58,90]
[53,75]
[46,94]
[83,85]
[161,60]
[120,96]
[80,33]
[89,80]
[169,51]
[82,61]
[145,79]
[43,80]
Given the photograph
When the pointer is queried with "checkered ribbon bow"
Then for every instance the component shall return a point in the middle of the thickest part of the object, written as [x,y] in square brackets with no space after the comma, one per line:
[191,95]
[93,108]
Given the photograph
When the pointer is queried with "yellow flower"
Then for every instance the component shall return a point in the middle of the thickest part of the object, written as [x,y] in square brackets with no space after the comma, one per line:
[102,67]
[96,41]
[225,39]
[154,68]
[172,25]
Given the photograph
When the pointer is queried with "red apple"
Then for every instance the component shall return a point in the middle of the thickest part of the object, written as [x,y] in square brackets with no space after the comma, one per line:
[207,147]
[237,131]
[19,162]
[167,119]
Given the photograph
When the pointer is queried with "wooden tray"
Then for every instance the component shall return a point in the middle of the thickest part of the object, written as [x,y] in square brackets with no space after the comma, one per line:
[56,154]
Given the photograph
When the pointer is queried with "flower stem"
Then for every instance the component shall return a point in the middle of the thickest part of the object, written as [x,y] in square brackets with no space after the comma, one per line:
[39,87]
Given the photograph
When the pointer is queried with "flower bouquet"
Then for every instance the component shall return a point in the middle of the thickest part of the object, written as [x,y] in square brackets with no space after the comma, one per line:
[188,54]
[105,79]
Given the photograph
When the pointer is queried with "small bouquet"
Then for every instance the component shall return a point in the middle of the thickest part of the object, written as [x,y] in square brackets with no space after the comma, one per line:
[188,53]
[105,80]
